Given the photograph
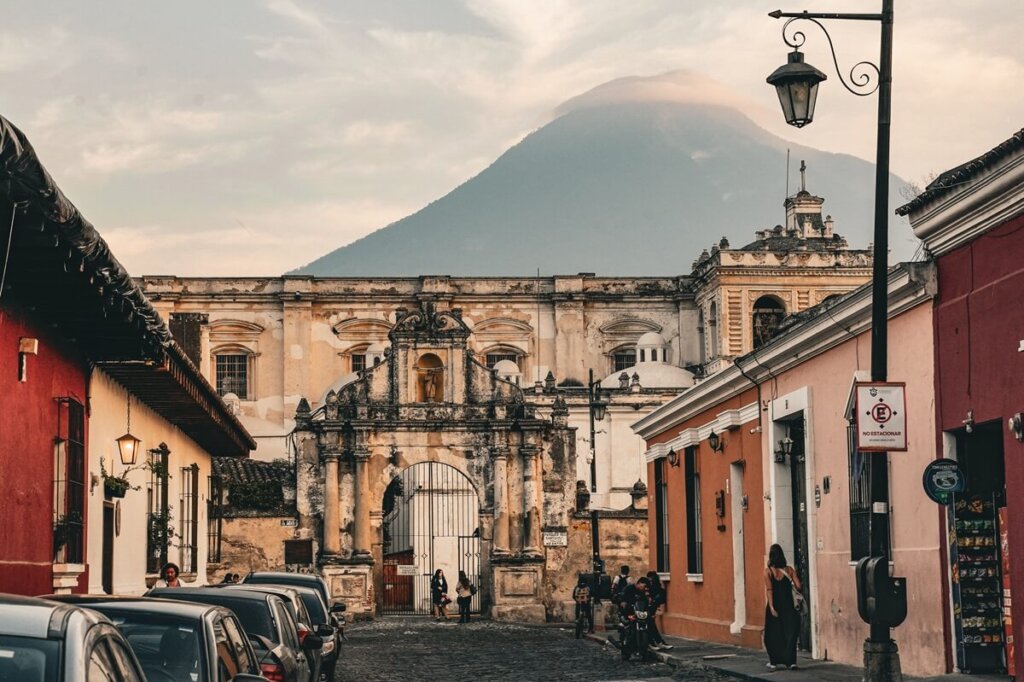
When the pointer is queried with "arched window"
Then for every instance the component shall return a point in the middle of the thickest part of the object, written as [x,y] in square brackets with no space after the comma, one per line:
[623,358]
[713,328]
[701,337]
[768,315]
[233,370]
[430,379]
[493,356]
[357,357]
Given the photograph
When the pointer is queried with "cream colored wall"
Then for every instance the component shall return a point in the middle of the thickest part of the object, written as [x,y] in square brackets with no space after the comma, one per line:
[839,630]
[107,421]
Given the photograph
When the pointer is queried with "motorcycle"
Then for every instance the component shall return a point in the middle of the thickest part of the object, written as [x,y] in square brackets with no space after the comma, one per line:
[633,637]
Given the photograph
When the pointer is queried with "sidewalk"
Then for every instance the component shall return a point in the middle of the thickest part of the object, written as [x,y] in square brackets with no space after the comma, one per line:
[749,664]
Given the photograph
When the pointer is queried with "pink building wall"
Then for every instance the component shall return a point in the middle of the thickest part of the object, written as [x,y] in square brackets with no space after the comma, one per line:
[917,528]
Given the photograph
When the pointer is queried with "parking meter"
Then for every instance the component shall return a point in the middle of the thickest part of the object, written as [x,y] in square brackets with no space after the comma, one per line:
[881,599]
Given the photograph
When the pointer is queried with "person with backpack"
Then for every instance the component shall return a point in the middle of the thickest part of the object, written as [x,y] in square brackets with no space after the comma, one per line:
[582,595]
[658,600]
[464,591]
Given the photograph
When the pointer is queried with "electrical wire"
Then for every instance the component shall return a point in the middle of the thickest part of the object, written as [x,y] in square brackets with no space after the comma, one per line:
[7,252]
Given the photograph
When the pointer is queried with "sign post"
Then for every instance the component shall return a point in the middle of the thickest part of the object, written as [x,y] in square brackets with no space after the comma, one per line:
[942,480]
[881,410]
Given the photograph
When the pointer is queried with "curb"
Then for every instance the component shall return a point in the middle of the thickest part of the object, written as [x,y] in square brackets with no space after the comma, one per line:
[677,663]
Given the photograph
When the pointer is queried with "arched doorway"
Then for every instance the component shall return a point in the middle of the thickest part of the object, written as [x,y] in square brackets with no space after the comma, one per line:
[769,312]
[431,520]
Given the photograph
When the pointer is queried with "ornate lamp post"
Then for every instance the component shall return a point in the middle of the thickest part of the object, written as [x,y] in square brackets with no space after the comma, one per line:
[598,406]
[797,84]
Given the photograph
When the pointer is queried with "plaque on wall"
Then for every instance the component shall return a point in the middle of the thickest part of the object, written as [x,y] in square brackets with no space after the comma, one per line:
[298,551]
[556,539]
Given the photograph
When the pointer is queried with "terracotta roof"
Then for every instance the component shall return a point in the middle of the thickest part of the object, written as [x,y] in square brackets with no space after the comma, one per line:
[963,173]
[233,470]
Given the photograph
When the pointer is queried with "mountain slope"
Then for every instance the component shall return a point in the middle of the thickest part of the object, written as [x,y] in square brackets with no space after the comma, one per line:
[617,188]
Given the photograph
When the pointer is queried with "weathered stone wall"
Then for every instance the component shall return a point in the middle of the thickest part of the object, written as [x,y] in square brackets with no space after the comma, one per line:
[251,544]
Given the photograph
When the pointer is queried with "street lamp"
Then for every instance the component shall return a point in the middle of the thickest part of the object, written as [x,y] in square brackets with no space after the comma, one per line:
[128,445]
[881,656]
[598,404]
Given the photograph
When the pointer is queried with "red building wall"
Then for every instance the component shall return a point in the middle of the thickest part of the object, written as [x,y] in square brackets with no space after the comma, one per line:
[705,610]
[28,426]
[979,328]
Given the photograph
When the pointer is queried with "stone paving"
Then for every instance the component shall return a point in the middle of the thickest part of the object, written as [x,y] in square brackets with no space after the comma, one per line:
[418,649]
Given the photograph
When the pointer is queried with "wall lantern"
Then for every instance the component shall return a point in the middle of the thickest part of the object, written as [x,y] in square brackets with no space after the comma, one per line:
[599,401]
[128,445]
[785,450]
[796,83]
[672,457]
[716,442]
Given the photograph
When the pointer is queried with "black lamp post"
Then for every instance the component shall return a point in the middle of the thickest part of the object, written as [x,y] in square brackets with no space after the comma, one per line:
[797,83]
[598,407]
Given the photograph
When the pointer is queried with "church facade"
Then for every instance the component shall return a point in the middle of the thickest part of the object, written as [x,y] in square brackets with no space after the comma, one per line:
[289,353]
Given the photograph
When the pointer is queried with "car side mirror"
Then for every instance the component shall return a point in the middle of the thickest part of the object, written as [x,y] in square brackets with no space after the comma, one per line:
[312,643]
[325,630]
[338,607]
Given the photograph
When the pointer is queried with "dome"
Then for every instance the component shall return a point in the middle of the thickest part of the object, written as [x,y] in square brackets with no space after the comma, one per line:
[651,339]
[338,385]
[506,368]
[653,375]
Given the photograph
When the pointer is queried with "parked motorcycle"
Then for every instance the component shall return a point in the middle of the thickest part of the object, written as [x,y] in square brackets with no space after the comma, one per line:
[633,636]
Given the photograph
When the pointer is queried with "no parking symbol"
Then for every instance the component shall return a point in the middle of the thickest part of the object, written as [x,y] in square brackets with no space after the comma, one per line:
[881,417]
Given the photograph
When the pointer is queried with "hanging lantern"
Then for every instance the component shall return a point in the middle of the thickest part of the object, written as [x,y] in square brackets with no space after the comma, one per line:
[128,445]
[796,83]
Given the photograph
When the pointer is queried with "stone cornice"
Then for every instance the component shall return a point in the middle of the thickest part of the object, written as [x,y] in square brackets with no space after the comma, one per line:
[909,284]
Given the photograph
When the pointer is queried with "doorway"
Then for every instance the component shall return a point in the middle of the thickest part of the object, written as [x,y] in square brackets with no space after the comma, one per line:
[108,547]
[978,553]
[431,521]
[801,548]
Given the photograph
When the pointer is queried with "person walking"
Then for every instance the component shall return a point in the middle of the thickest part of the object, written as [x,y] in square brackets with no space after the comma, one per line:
[439,595]
[169,576]
[781,616]
[464,591]
[659,597]
[584,598]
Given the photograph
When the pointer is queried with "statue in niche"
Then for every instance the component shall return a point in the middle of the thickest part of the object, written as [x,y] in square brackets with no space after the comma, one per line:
[431,381]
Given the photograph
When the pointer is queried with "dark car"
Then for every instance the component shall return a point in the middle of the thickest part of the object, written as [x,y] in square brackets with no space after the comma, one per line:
[179,641]
[267,621]
[322,623]
[304,623]
[45,641]
[283,578]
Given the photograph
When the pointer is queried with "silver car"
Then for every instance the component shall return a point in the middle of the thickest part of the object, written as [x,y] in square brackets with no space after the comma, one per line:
[43,641]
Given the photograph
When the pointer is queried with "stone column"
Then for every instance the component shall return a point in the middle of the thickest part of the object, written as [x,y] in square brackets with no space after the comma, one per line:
[532,501]
[501,520]
[361,537]
[332,520]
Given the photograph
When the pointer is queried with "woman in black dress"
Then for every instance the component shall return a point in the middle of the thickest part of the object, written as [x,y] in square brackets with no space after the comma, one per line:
[439,594]
[781,617]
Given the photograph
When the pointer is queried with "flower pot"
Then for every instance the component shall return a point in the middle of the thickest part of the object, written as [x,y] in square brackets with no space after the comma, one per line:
[114,490]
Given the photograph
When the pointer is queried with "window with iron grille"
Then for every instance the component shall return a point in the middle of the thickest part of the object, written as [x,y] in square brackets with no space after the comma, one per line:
[496,357]
[358,362]
[213,518]
[159,519]
[860,500]
[69,482]
[661,512]
[623,359]
[694,545]
[233,374]
[189,532]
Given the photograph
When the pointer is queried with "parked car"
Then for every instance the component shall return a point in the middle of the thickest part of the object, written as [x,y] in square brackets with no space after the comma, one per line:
[321,620]
[179,641]
[304,622]
[283,578]
[267,621]
[45,641]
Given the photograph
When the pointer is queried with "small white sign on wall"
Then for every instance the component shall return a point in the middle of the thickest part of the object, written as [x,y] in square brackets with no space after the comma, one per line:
[556,539]
[407,569]
[881,410]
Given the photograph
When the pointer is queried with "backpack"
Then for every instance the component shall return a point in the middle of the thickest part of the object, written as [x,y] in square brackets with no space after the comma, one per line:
[619,586]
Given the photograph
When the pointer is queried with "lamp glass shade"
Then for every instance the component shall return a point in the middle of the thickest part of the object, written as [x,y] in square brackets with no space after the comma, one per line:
[128,447]
[714,440]
[673,458]
[796,84]
[600,408]
[786,444]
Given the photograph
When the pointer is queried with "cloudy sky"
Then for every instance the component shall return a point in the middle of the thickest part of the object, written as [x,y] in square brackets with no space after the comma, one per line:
[244,137]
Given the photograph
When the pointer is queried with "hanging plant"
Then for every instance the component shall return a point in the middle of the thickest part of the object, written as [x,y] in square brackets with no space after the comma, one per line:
[117,486]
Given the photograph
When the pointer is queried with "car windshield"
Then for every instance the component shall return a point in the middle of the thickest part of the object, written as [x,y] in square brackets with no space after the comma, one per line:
[26,659]
[315,606]
[168,647]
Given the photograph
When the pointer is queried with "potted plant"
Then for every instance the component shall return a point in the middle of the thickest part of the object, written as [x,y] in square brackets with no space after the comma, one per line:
[117,486]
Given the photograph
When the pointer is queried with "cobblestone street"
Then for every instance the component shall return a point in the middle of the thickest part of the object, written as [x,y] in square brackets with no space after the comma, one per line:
[418,649]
